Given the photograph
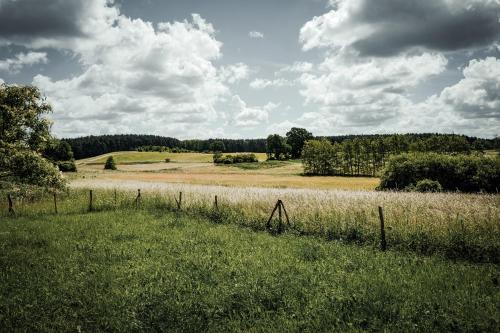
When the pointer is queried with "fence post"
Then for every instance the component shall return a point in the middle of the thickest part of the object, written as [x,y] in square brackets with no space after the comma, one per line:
[286,214]
[268,224]
[179,202]
[11,205]
[55,202]
[138,199]
[115,198]
[91,208]
[383,243]
[215,203]
[280,223]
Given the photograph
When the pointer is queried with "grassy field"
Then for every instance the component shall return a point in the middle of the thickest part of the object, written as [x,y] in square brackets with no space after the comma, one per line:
[457,226]
[131,157]
[154,270]
[196,168]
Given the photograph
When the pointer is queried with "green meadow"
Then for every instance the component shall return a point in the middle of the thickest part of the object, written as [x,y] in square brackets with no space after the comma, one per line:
[152,268]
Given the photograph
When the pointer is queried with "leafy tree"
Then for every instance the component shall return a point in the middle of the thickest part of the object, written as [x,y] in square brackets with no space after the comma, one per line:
[58,150]
[277,147]
[296,138]
[217,145]
[466,173]
[318,157]
[24,135]
[110,164]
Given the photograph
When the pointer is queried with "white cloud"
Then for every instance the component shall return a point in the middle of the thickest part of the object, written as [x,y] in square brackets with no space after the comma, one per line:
[394,26]
[296,67]
[234,73]
[264,83]
[140,79]
[250,116]
[14,65]
[367,91]
[477,95]
[255,34]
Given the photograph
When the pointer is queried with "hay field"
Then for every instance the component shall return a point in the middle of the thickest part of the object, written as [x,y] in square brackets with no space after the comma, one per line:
[197,168]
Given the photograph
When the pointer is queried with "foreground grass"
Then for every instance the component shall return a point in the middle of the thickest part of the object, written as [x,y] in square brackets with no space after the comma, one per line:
[154,271]
[456,226]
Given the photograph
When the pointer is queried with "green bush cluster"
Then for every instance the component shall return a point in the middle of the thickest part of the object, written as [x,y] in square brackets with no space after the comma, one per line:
[66,166]
[233,159]
[432,172]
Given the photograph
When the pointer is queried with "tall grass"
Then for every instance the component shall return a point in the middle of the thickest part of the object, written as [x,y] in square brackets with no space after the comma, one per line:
[461,226]
[157,271]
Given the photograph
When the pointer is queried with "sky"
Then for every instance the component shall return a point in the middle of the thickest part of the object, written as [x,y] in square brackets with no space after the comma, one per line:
[246,69]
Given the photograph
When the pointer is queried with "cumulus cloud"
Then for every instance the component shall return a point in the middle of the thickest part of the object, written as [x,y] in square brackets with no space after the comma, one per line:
[297,67]
[234,73]
[367,91]
[66,24]
[477,95]
[388,27]
[14,65]
[255,34]
[140,79]
[378,52]
[246,116]
[264,83]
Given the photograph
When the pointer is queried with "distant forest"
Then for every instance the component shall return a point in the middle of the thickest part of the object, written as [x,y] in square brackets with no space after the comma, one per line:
[89,146]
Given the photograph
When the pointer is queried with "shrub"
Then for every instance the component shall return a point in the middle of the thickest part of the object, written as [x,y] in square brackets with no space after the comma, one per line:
[67,166]
[428,185]
[167,160]
[232,159]
[110,164]
[467,173]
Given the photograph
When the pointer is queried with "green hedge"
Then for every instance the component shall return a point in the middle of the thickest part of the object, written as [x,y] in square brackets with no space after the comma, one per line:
[466,173]
[232,159]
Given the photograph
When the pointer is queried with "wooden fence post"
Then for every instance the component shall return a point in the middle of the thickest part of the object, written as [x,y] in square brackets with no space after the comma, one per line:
[280,222]
[268,224]
[91,208]
[116,201]
[11,205]
[138,199]
[280,207]
[216,203]
[55,202]
[179,202]
[383,243]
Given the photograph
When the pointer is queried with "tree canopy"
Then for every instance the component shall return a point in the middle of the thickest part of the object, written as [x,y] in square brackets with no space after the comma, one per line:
[296,138]
[24,135]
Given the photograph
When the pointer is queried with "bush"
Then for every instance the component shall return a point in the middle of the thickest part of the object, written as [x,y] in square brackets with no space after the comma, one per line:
[110,164]
[233,159]
[67,166]
[167,160]
[466,173]
[428,185]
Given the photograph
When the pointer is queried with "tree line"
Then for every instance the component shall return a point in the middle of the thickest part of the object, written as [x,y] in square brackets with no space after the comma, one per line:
[280,147]
[366,155]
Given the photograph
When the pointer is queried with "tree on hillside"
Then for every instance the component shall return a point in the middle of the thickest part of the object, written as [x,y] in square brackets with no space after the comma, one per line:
[277,148]
[296,138]
[110,164]
[24,135]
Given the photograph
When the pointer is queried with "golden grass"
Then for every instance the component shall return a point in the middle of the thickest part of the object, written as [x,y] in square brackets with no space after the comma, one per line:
[461,225]
[151,157]
[196,168]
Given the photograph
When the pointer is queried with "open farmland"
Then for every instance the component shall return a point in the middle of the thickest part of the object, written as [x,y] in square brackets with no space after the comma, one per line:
[197,168]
